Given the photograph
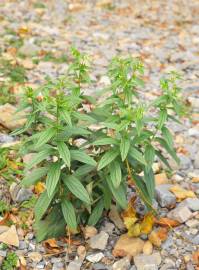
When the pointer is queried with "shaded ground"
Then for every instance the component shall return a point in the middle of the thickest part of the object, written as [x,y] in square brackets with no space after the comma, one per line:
[35,38]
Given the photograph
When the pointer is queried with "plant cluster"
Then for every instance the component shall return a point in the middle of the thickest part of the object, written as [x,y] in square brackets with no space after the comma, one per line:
[10,262]
[87,152]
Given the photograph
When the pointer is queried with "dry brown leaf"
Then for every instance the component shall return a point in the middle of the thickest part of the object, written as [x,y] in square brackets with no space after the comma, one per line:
[167,222]
[159,236]
[181,193]
[51,246]
[195,180]
[195,257]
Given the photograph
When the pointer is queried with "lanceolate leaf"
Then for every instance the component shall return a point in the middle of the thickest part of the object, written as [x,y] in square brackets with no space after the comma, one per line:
[42,205]
[69,214]
[124,147]
[162,118]
[149,155]
[53,178]
[96,213]
[150,182]
[83,170]
[38,158]
[66,117]
[115,173]
[84,117]
[45,136]
[105,141]
[76,187]
[34,176]
[82,157]
[107,158]
[64,152]
[171,151]
[134,153]
[118,193]
[167,136]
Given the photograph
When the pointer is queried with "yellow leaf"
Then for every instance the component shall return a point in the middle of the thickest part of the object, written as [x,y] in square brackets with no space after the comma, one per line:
[39,187]
[129,215]
[147,223]
[134,231]
[129,222]
[182,193]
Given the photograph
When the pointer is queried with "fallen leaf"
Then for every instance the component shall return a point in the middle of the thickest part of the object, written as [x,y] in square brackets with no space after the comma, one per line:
[134,230]
[129,215]
[181,193]
[51,246]
[159,236]
[195,257]
[146,225]
[10,237]
[195,180]
[167,222]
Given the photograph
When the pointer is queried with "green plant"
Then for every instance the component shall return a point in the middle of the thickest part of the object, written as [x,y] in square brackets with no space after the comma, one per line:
[14,72]
[4,207]
[85,169]
[10,262]
[6,96]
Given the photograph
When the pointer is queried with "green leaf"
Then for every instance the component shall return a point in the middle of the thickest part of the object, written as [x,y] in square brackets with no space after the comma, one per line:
[118,193]
[53,177]
[149,155]
[38,158]
[64,152]
[74,130]
[34,176]
[162,117]
[142,190]
[69,214]
[83,170]
[115,173]
[167,136]
[76,187]
[42,205]
[44,137]
[96,213]
[84,117]
[162,158]
[171,151]
[134,153]
[107,158]
[124,147]
[105,141]
[150,182]
[66,117]
[53,226]
[82,157]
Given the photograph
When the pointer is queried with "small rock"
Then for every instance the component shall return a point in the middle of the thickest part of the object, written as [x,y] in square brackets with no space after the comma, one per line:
[89,231]
[147,248]
[10,237]
[128,246]
[3,253]
[8,117]
[192,223]
[192,203]
[29,49]
[115,218]
[94,258]
[74,265]
[164,197]
[109,227]
[180,213]
[4,138]
[35,256]
[196,161]
[99,241]
[147,262]
[122,264]
[161,179]
[19,194]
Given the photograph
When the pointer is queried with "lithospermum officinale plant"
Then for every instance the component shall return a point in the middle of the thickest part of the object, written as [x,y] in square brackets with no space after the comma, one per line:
[86,168]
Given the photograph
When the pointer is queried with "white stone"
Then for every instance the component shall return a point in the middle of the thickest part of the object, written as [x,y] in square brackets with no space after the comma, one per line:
[94,258]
